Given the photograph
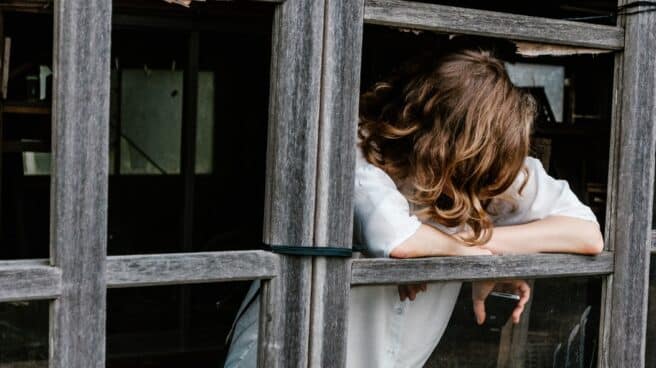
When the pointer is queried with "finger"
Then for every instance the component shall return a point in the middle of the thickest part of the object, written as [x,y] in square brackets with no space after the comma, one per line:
[418,288]
[403,294]
[482,289]
[524,293]
[479,310]
[517,313]
[424,287]
[412,293]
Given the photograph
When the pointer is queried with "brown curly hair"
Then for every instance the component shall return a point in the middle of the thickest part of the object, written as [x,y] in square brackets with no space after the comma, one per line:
[456,132]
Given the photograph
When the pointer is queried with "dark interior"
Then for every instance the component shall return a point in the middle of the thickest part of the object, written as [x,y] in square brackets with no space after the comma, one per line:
[600,12]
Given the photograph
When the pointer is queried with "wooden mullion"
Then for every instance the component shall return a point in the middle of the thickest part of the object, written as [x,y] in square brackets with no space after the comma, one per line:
[342,49]
[78,231]
[410,14]
[630,212]
[606,288]
[297,41]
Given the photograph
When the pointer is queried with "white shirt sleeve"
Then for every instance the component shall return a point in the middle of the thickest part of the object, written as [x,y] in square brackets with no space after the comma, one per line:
[383,219]
[543,196]
[382,214]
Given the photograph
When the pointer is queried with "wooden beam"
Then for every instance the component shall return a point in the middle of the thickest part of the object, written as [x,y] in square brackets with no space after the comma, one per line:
[333,226]
[449,19]
[297,43]
[189,268]
[78,210]
[629,216]
[380,271]
[27,280]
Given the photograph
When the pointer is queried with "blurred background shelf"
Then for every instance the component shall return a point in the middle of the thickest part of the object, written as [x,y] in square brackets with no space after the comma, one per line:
[32,108]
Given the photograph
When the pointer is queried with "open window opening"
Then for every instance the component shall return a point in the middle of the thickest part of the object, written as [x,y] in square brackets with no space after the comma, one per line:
[570,137]
[188,131]
[188,127]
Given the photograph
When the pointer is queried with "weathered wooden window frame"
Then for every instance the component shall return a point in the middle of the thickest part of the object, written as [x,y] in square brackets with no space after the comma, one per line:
[315,75]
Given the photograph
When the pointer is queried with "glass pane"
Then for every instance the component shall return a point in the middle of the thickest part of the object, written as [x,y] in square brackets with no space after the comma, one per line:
[438,328]
[151,115]
[25,135]
[153,208]
[562,323]
[171,326]
[24,334]
[205,124]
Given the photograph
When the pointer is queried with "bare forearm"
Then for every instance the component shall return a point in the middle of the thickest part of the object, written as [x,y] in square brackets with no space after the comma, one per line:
[430,242]
[556,234]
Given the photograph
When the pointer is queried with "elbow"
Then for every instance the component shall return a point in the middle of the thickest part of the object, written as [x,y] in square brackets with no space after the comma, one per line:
[593,243]
[400,252]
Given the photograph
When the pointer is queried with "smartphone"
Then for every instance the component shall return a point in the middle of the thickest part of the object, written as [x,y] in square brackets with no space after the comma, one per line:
[498,309]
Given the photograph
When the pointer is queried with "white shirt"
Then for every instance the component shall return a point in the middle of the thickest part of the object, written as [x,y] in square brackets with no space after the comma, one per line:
[386,332]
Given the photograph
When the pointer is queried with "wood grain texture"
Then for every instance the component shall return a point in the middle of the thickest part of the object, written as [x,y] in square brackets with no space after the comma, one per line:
[80,136]
[408,14]
[630,226]
[607,283]
[297,44]
[340,90]
[284,331]
[391,271]
[293,123]
[189,268]
[27,280]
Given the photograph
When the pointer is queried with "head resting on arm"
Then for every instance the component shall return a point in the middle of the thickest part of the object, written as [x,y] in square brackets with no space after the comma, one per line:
[455,128]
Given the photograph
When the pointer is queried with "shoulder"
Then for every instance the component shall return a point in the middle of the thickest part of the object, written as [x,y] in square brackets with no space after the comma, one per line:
[367,174]
[536,195]
[527,178]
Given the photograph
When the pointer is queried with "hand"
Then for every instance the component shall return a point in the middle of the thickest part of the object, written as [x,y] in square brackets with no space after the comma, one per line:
[473,250]
[410,291]
[495,248]
[481,289]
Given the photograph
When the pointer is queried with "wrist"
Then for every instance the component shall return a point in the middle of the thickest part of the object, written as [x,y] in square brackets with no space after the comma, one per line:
[459,248]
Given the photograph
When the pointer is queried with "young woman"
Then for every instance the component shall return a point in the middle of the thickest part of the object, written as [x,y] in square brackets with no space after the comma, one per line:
[443,170]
